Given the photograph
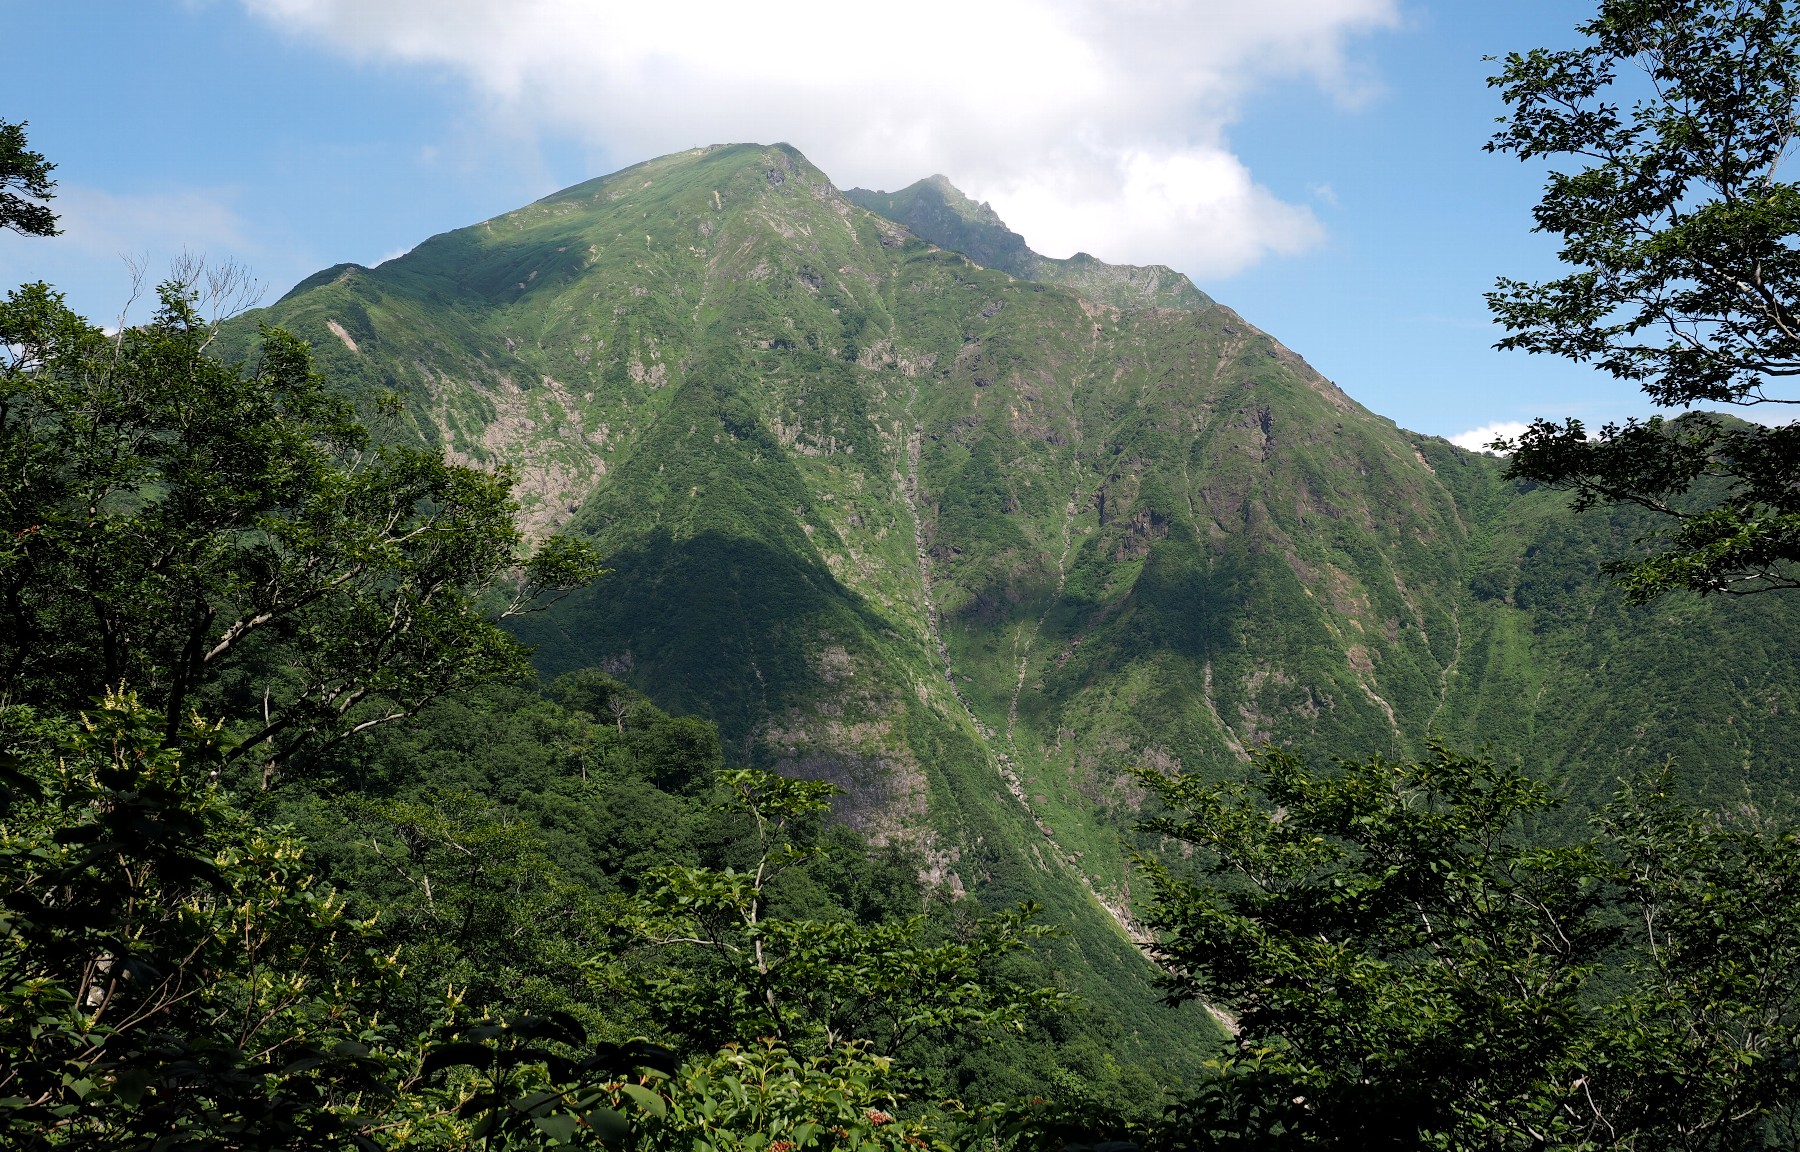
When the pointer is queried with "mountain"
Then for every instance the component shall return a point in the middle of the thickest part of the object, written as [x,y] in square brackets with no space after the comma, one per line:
[971,533]
[936,210]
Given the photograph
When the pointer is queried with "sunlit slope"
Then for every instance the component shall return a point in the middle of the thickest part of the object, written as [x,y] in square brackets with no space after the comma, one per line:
[1559,671]
[936,210]
[699,354]
[972,545]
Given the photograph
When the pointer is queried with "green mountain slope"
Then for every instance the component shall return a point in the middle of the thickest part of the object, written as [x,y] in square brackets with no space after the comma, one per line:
[936,210]
[973,540]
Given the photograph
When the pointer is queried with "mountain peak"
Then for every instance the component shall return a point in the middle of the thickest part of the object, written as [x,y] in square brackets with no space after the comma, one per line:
[972,547]
[958,201]
[934,209]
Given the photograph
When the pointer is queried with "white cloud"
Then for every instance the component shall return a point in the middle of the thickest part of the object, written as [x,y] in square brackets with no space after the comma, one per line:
[1478,439]
[1197,208]
[1090,124]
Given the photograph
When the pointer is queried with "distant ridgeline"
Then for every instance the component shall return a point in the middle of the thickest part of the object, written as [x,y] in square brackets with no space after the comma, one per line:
[935,210]
[901,504]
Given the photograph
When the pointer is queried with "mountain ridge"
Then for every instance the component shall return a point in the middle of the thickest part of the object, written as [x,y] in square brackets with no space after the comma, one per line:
[972,546]
[936,210]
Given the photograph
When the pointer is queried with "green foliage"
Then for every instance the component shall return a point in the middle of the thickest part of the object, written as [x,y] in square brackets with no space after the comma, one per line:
[818,984]
[837,919]
[1398,952]
[24,178]
[1681,233]
[1726,486]
[569,791]
[174,522]
[1704,1046]
[171,974]
[765,1098]
[1411,965]
[520,1090]
[829,464]
[475,904]
[1677,223]
[492,838]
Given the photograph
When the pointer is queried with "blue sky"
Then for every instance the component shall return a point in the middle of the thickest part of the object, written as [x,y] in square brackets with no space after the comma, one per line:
[1315,164]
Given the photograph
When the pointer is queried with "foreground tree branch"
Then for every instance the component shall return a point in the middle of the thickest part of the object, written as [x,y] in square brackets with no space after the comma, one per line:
[1671,128]
[185,528]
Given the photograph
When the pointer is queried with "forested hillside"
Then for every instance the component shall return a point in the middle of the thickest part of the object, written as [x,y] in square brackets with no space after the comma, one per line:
[320,864]
[941,598]
[972,545]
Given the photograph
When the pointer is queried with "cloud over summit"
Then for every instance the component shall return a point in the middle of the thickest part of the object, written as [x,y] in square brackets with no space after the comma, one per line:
[1478,439]
[1089,124]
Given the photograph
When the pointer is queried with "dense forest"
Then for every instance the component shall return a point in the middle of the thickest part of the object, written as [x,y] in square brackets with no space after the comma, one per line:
[324,824]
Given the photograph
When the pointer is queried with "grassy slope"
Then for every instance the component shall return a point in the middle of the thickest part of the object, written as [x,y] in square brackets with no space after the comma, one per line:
[1564,674]
[972,545]
[694,354]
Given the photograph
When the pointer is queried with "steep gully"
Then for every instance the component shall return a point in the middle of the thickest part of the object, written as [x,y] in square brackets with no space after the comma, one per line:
[1001,762]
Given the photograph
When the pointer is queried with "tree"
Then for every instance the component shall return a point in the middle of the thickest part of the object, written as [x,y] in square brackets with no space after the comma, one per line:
[1676,118]
[1410,967]
[172,975]
[481,907]
[814,985]
[24,178]
[1399,958]
[1413,961]
[231,537]
[759,1097]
